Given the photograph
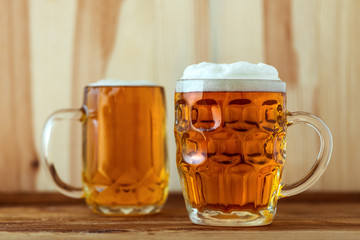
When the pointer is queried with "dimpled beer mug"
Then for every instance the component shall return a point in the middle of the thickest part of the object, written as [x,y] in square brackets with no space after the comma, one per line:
[125,168]
[230,130]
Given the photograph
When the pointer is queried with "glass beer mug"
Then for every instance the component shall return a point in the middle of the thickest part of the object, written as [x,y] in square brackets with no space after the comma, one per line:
[230,129]
[125,168]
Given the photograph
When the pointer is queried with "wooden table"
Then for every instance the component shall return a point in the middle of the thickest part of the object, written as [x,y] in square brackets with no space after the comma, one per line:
[52,216]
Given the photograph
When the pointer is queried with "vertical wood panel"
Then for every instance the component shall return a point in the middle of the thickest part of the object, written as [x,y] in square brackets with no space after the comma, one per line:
[94,40]
[314,45]
[18,161]
[162,39]
[303,142]
[95,33]
[132,57]
[202,30]
[279,50]
[52,27]
[321,52]
[175,48]
[339,71]
[237,31]
[352,76]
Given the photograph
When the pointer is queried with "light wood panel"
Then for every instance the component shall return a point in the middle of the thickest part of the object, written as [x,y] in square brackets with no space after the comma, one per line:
[280,26]
[327,60]
[174,34]
[338,98]
[201,13]
[313,44]
[18,160]
[95,31]
[303,142]
[237,32]
[278,29]
[52,42]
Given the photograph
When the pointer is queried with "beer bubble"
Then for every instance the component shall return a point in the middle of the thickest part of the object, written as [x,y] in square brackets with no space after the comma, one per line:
[116,82]
[238,76]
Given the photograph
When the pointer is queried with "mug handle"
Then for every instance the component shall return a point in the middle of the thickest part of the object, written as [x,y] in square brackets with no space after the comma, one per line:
[323,158]
[51,122]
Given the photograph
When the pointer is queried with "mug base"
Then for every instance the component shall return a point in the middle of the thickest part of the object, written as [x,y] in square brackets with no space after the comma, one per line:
[127,210]
[233,219]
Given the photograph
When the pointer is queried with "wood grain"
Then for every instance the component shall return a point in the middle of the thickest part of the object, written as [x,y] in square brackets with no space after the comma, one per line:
[95,34]
[51,49]
[52,25]
[202,30]
[174,49]
[310,234]
[94,41]
[325,57]
[18,161]
[279,50]
[338,72]
[308,217]
[303,142]
[236,31]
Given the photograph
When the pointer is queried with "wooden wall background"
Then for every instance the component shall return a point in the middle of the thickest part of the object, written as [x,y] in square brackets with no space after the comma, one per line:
[50,49]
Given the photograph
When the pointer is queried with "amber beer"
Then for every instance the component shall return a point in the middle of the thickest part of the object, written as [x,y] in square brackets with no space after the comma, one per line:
[125,149]
[230,152]
[125,168]
[230,131]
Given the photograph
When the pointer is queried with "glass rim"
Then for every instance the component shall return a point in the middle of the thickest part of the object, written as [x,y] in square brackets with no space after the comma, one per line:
[229,85]
[124,86]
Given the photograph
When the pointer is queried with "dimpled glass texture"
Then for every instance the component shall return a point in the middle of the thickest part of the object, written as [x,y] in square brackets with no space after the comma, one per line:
[230,155]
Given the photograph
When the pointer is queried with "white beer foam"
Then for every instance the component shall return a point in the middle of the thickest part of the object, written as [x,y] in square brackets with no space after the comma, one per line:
[239,76]
[115,82]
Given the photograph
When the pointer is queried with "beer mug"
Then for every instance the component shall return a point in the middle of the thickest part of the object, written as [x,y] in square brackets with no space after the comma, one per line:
[230,129]
[125,168]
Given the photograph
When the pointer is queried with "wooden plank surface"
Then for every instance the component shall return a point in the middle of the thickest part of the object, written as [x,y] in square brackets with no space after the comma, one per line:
[318,64]
[52,42]
[278,36]
[314,216]
[18,161]
[51,49]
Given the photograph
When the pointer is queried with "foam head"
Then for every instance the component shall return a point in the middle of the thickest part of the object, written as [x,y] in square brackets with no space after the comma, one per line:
[239,76]
[115,82]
